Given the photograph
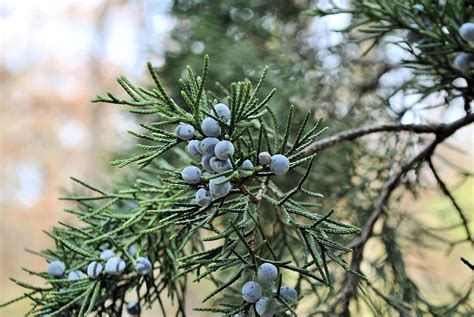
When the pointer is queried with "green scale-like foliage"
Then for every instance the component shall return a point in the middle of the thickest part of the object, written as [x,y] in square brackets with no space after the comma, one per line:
[224,242]
[430,36]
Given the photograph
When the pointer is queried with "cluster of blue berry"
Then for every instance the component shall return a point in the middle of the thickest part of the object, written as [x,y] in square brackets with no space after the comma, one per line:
[217,157]
[462,61]
[112,264]
[253,292]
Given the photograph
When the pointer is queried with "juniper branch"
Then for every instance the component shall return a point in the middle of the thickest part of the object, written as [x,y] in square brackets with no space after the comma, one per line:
[358,244]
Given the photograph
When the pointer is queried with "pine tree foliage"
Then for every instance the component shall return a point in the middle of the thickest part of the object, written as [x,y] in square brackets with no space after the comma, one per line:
[225,242]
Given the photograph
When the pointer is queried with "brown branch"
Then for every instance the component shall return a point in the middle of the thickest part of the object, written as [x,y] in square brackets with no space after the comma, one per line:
[446,192]
[263,189]
[246,192]
[442,132]
[352,134]
[256,199]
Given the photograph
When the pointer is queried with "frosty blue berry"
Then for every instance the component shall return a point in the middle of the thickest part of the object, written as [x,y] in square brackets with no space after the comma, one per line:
[75,275]
[267,273]
[251,292]
[462,61]
[208,145]
[219,187]
[210,127]
[222,111]
[203,197]
[264,158]
[265,306]
[107,254]
[247,165]
[224,150]
[288,292]
[56,268]
[132,250]
[206,163]
[191,174]
[115,266]
[220,165]
[467,31]
[279,164]
[193,147]
[94,269]
[185,131]
[143,266]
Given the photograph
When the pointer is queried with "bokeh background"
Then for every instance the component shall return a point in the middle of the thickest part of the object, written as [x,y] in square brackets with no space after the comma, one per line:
[57,55]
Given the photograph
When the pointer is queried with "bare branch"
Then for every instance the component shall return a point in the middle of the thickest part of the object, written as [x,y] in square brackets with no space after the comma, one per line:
[352,134]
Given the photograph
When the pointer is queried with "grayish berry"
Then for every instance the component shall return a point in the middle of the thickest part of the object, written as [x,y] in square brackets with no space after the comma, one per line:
[107,254]
[193,147]
[462,61]
[210,127]
[132,250]
[206,163]
[251,292]
[265,306]
[56,268]
[185,131]
[288,292]
[247,165]
[115,266]
[267,273]
[203,197]
[75,275]
[264,158]
[279,164]
[94,269]
[208,145]
[191,174]
[220,165]
[222,111]
[224,150]
[133,308]
[467,31]
[143,266]
[219,190]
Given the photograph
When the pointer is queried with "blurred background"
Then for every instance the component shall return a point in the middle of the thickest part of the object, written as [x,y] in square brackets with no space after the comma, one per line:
[57,55]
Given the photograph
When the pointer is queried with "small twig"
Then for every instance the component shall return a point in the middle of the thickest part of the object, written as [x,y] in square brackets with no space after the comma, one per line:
[245,191]
[446,191]
[469,264]
[263,189]
[256,199]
